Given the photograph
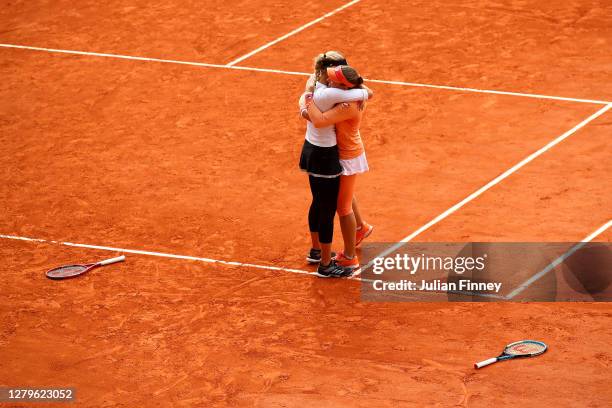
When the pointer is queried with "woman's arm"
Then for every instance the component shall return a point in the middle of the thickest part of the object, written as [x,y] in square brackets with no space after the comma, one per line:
[338,113]
[370,92]
[310,86]
[310,83]
[302,104]
[333,96]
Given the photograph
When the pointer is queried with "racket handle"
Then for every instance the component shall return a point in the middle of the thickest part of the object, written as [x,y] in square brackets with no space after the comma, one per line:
[485,362]
[113,260]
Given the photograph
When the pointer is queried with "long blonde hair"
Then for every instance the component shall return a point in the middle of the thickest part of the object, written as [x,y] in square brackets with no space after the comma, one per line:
[326,60]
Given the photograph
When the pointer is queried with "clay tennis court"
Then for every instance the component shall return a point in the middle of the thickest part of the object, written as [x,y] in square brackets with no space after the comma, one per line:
[169,132]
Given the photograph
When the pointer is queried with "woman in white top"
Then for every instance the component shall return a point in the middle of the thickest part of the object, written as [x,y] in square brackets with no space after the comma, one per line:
[321,161]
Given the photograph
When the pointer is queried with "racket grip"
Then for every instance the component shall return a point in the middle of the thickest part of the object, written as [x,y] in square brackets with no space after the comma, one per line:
[113,260]
[485,362]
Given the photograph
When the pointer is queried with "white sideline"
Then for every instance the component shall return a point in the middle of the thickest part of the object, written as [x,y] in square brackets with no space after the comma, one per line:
[278,71]
[491,183]
[559,260]
[158,254]
[297,30]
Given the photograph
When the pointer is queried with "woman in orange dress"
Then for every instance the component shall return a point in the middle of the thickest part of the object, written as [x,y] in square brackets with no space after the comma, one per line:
[347,119]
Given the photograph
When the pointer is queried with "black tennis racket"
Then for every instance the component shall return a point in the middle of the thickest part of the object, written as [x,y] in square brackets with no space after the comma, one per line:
[523,348]
[72,271]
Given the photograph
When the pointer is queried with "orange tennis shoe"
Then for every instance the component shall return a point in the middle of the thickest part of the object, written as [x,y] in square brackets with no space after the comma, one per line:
[362,233]
[347,263]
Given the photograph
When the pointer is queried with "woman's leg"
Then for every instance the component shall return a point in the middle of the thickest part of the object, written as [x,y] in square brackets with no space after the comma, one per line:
[314,239]
[357,213]
[348,224]
[313,214]
[363,228]
[326,253]
[326,195]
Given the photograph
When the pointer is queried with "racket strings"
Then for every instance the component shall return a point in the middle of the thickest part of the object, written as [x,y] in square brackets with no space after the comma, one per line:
[525,349]
[69,270]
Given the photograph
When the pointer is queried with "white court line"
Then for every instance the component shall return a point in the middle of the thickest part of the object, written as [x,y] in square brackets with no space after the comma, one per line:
[158,254]
[559,260]
[278,71]
[297,30]
[185,257]
[490,184]
[486,91]
[119,56]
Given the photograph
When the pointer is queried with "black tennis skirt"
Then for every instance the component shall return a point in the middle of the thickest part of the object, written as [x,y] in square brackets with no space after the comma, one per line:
[320,161]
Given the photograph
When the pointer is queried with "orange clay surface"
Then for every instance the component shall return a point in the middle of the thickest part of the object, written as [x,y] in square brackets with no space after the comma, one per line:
[203,162]
[555,48]
[213,31]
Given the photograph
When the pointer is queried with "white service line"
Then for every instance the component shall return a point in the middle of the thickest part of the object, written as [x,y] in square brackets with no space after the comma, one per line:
[279,71]
[559,260]
[159,254]
[490,184]
[297,30]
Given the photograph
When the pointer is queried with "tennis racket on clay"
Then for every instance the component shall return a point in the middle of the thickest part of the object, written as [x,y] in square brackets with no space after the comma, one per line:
[72,271]
[523,348]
